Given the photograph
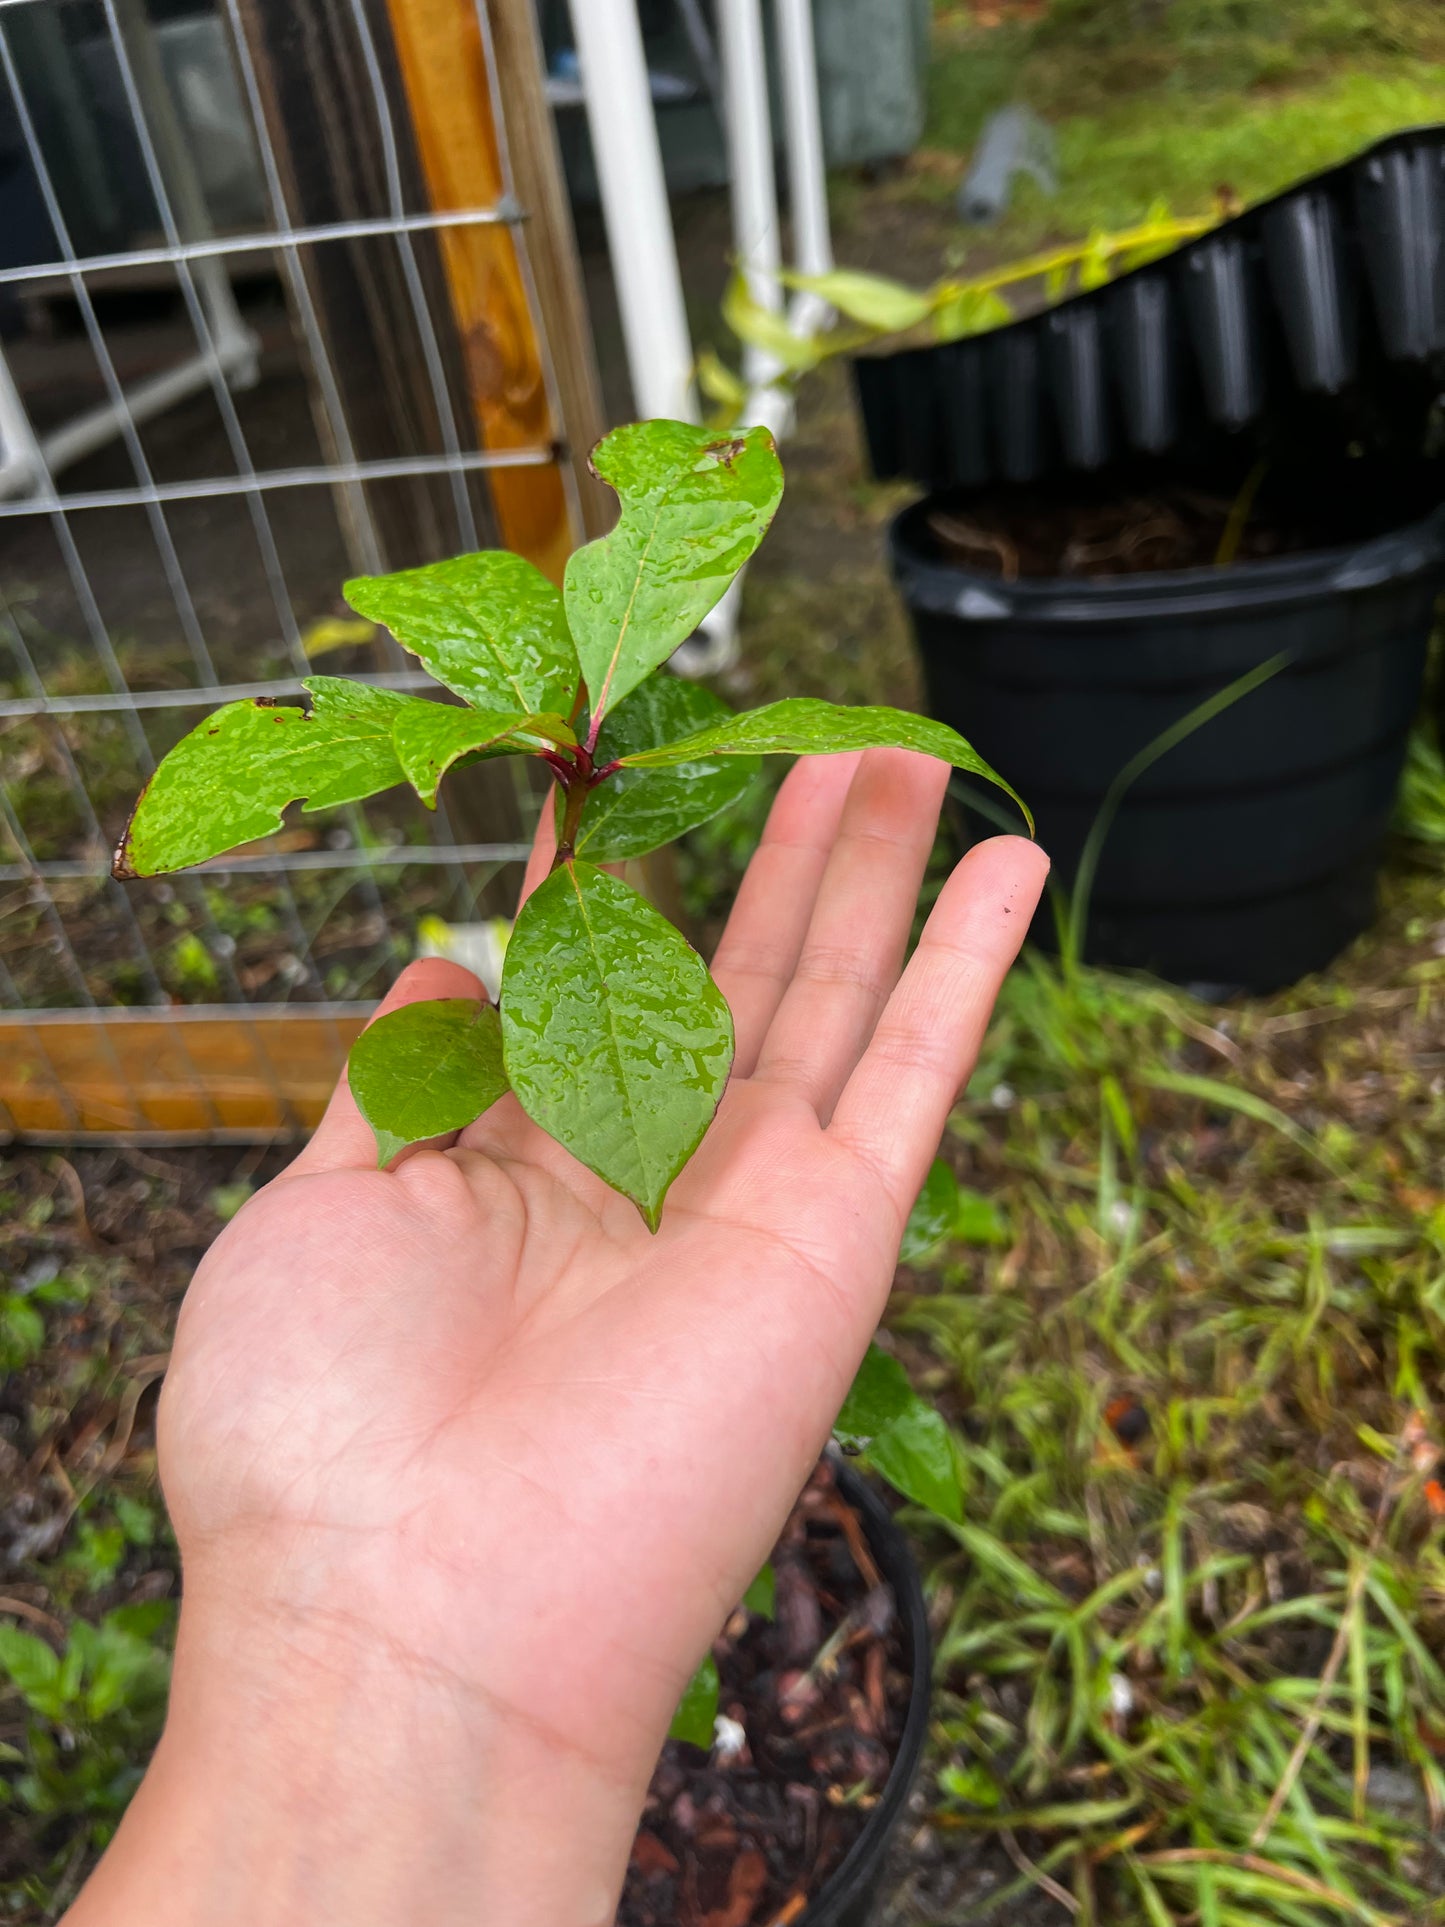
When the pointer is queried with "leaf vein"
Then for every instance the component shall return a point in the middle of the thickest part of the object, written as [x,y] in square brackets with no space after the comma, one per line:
[612,1032]
[600,705]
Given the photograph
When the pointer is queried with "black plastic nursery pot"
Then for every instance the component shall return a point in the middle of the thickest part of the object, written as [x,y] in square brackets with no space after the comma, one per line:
[1248,854]
[828,1696]
[1316,317]
[847,1897]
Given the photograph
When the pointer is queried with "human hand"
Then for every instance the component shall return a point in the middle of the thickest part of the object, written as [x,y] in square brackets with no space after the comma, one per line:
[467,1467]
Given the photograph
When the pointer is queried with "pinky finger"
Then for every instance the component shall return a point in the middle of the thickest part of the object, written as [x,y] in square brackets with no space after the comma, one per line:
[896,1103]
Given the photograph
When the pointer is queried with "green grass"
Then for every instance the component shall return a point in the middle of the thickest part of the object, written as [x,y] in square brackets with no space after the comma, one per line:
[1136,124]
[1199,1407]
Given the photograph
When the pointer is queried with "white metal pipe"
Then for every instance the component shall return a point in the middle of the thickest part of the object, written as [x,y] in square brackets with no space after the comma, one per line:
[747,121]
[634,205]
[807,169]
[757,231]
[22,466]
[102,424]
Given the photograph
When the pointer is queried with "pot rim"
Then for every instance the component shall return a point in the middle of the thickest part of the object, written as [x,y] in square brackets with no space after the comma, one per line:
[901,1570]
[952,588]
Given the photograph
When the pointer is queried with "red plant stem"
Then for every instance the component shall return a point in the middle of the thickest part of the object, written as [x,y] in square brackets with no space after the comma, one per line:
[571,817]
[577,778]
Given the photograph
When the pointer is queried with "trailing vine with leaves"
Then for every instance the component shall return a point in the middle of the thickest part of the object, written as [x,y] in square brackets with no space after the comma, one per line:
[871,308]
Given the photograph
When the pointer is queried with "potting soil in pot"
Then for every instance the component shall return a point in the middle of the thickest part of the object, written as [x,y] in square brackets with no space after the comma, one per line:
[1172,527]
[746,1836]
[1146,525]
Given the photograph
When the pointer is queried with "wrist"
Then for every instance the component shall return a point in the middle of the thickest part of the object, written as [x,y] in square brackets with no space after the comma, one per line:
[310,1770]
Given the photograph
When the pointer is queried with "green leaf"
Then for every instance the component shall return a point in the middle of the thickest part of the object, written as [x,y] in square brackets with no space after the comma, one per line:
[426,1069]
[880,1393]
[489,626]
[22,1332]
[230,779]
[964,311]
[901,1436]
[33,1669]
[931,1219]
[973,1784]
[135,1519]
[1212,1090]
[947,1209]
[126,1672]
[1096,263]
[638,810]
[429,737]
[885,306]
[695,505]
[722,385]
[979,1220]
[804,726]
[616,1040]
[915,1453]
[767,329]
[761,1594]
[147,1619]
[693,1721]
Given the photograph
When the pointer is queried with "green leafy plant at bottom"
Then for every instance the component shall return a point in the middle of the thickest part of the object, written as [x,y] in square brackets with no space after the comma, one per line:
[91,1713]
[889,1428]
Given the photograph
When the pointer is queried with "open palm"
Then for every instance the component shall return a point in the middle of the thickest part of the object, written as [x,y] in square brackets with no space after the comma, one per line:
[470,1413]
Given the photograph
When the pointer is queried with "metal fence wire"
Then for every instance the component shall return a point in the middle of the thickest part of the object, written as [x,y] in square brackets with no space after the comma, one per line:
[233,370]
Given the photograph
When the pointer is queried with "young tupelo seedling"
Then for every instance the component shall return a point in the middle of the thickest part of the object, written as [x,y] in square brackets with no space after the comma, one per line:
[609,1028]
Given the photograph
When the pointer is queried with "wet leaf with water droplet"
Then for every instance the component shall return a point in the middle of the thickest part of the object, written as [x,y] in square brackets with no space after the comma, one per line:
[489,626]
[230,779]
[430,737]
[426,1070]
[804,726]
[617,1041]
[695,505]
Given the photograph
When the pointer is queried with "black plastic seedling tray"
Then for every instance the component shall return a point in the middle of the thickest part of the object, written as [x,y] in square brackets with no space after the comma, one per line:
[1317,317]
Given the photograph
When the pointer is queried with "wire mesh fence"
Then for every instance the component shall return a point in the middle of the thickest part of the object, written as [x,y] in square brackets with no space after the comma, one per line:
[205,425]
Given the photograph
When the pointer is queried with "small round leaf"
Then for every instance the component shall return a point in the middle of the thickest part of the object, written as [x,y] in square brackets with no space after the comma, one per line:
[426,1069]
